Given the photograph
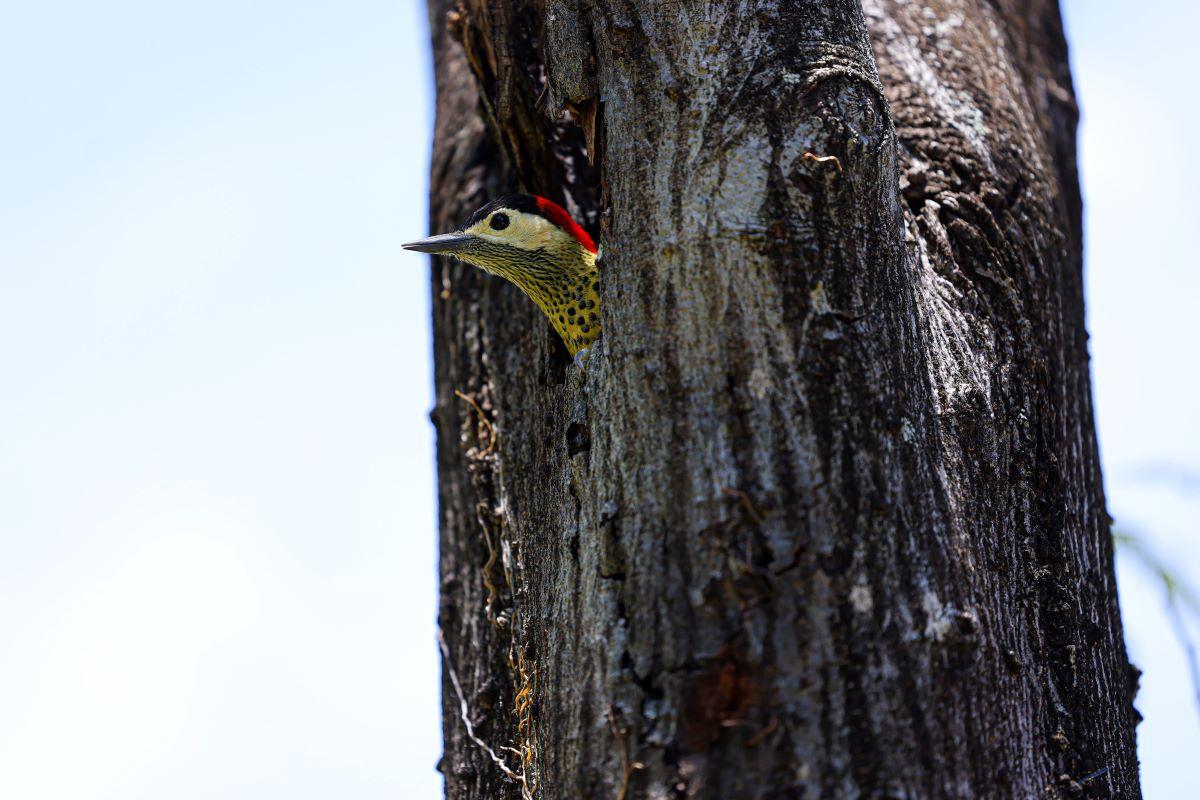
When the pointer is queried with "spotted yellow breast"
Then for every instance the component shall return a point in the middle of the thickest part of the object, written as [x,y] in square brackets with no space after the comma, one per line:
[569,298]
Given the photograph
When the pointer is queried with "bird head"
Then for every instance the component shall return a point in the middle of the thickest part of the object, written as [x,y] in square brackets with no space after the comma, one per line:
[536,245]
[513,235]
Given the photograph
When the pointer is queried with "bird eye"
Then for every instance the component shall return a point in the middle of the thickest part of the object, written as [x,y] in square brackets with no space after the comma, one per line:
[499,221]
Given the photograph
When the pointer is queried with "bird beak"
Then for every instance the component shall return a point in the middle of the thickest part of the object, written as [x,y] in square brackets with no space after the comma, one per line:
[442,243]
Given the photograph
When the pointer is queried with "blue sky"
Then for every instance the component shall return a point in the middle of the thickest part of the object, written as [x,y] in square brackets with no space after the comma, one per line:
[1133,71]
[217,550]
[217,547]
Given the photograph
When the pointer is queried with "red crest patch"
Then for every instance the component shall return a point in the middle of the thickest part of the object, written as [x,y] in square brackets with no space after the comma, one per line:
[559,216]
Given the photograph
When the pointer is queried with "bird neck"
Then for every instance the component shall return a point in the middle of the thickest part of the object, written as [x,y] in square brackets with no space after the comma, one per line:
[566,287]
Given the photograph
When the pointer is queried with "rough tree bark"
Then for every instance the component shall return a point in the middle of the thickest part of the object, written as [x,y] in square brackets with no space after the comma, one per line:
[823,517]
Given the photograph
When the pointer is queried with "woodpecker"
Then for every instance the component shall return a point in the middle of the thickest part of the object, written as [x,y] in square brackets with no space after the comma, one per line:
[535,244]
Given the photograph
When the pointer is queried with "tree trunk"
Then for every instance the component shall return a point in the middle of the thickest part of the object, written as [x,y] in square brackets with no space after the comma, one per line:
[823,516]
